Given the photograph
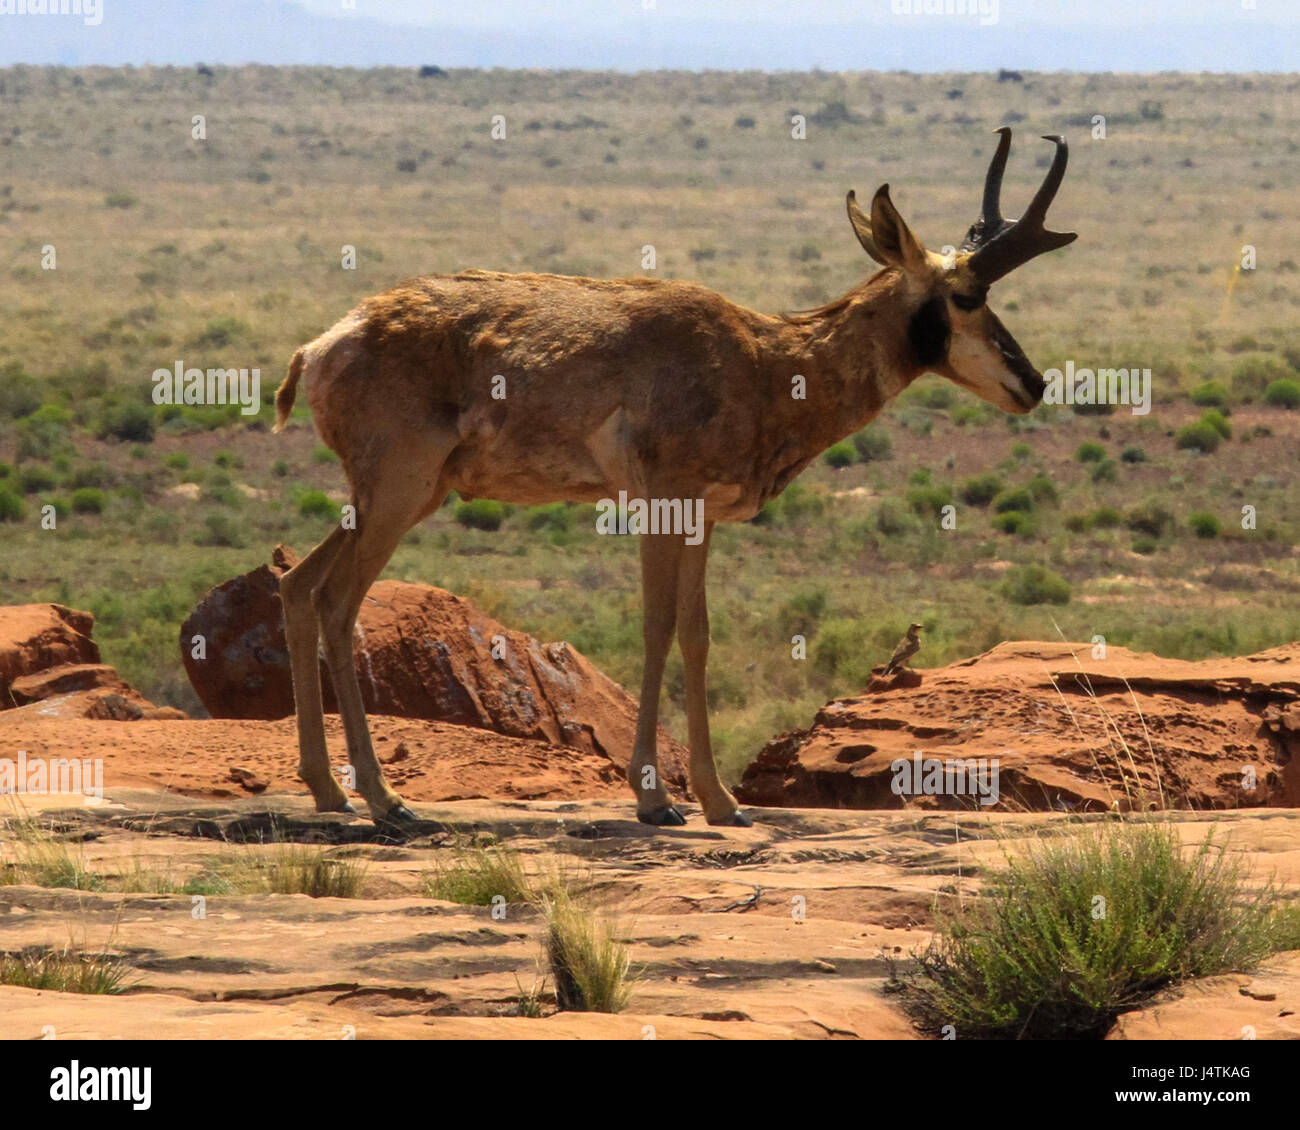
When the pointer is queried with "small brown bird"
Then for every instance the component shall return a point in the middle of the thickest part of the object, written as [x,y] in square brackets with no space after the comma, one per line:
[907,647]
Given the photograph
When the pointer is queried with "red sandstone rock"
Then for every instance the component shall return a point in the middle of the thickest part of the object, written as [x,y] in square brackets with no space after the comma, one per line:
[35,637]
[1069,732]
[420,652]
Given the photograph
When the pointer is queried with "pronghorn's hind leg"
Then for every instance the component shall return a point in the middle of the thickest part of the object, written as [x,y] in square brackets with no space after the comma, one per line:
[302,634]
[660,557]
[402,486]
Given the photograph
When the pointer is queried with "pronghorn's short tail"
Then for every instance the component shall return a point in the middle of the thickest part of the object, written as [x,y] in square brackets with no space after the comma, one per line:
[288,390]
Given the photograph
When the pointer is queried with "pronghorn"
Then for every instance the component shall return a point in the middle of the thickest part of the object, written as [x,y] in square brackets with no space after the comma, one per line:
[537,388]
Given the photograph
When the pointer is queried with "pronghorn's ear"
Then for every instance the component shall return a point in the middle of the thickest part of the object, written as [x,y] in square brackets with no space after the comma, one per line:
[894,240]
[862,229]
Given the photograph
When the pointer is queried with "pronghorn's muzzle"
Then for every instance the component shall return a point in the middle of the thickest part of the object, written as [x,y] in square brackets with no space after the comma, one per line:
[1030,380]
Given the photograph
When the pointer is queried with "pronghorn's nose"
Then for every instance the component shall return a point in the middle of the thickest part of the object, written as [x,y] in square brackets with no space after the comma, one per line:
[1034,384]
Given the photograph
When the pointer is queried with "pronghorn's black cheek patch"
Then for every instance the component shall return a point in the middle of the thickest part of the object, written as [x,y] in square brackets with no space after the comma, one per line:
[929,332]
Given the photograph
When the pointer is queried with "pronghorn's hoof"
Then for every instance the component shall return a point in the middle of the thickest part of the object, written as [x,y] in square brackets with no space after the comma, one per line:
[345,808]
[397,816]
[669,816]
[397,823]
[736,820]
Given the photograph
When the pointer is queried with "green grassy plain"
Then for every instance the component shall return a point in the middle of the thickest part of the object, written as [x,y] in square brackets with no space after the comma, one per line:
[227,252]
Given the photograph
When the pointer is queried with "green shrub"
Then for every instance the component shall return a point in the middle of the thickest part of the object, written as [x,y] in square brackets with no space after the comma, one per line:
[929,499]
[220,332]
[1035,584]
[801,614]
[1076,523]
[129,422]
[220,530]
[93,475]
[554,516]
[1105,518]
[324,455]
[20,393]
[1251,377]
[177,460]
[981,489]
[1199,436]
[89,500]
[1107,471]
[481,514]
[1014,498]
[1090,453]
[62,507]
[1014,522]
[840,455]
[1033,959]
[1043,489]
[11,506]
[1204,524]
[843,650]
[32,479]
[797,502]
[1210,394]
[936,396]
[317,504]
[1021,451]
[1133,455]
[892,519]
[873,444]
[1283,394]
[1145,544]
[1218,421]
[1150,518]
[42,431]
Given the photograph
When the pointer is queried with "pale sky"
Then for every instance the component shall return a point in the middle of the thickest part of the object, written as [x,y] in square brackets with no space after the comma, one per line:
[1078,35]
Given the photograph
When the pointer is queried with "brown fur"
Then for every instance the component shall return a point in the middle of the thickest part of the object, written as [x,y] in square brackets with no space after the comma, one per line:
[662,389]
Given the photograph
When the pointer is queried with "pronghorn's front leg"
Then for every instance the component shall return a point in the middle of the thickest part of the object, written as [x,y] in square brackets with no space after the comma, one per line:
[693,637]
[660,557]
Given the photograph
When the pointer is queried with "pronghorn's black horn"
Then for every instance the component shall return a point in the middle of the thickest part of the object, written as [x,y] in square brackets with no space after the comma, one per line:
[1000,246]
[990,221]
[991,215]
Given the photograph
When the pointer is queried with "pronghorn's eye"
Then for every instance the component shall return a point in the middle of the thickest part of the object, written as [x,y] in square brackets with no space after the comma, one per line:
[969,302]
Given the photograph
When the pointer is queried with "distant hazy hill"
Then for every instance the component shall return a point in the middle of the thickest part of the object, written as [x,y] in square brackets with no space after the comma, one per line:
[620,35]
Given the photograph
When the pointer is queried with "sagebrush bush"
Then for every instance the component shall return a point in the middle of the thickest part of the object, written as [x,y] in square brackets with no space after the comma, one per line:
[1035,584]
[1218,421]
[839,455]
[481,514]
[1210,394]
[11,506]
[317,504]
[1283,394]
[1151,518]
[873,444]
[1199,436]
[1073,931]
[89,500]
[1014,498]
[981,489]
[1016,522]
